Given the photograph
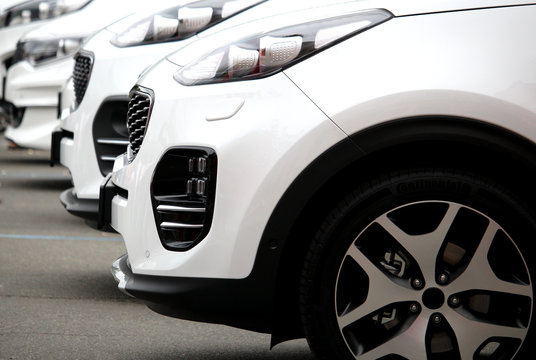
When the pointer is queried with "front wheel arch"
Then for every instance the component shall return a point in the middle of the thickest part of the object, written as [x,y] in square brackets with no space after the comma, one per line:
[425,141]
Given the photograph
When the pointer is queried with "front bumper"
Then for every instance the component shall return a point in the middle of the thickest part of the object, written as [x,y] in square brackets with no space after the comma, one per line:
[268,131]
[84,208]
[243,303]
[36,128]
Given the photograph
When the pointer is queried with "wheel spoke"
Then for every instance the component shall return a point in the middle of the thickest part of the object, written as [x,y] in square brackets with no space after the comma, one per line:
[483,305]
[409,344]
[471,334]
[423,248]
[480,275]
[382,291]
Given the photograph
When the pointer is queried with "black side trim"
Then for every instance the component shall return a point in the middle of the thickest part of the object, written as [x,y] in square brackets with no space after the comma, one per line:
[84,208]
[55,145]
[107,192]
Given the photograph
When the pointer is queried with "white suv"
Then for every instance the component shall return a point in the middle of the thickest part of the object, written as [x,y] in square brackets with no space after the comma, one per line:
[361,174]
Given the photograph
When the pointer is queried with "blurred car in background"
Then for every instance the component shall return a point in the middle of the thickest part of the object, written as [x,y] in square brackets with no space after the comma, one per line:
[18,17]
[361,174]
[42,63]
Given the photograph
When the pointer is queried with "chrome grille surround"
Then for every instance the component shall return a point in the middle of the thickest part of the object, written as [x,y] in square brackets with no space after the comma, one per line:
[138,115]
[81,74]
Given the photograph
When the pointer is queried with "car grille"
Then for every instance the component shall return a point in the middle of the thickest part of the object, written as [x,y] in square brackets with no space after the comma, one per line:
[81,73]
[139,112]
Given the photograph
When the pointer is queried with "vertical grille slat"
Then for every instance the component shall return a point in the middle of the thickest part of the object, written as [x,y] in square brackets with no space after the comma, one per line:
[81,74]
[139,110]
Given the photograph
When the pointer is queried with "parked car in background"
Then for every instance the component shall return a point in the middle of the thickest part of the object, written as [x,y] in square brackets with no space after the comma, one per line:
[42,64]
[94,132]
[18,17]
[360,174]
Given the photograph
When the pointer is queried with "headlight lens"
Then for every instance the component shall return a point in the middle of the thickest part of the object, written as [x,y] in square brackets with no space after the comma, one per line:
[181,22]
[267,53]
[34,10]
[40,51]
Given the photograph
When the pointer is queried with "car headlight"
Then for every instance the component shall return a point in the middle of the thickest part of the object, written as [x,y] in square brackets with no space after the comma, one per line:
[43,50]
[34,10]
[266,53]
[181,22]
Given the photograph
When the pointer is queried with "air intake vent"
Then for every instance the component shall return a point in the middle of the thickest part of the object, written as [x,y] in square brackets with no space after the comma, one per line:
[139,112]
[81,74]
[110,134]
[183,192]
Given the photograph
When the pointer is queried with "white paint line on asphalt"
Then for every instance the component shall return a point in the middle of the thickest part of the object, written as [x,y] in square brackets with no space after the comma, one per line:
[57,237]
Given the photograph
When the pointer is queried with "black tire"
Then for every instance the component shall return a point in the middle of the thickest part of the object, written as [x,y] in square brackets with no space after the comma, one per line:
[422,264]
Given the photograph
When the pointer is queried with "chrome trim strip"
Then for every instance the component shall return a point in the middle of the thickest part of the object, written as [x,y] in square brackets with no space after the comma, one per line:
[120,277]
[179,208]
[113,142]
[107,158]
[172,225]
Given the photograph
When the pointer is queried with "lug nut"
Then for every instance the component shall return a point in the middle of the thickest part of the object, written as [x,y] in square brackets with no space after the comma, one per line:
[414,307]
[417,283]
[443,279]
[436,318]
[454,301]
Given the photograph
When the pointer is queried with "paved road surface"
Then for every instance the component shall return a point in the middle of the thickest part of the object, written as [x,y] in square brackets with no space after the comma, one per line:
[58,299]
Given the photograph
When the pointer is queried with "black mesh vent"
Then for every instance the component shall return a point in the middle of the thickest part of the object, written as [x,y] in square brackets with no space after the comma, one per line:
[81,73]
[139,109]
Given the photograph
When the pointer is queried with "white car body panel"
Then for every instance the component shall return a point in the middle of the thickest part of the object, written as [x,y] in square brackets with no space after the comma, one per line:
[494,92]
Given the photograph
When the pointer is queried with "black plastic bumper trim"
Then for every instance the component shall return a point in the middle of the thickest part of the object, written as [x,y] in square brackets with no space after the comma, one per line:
[106,194]
[55,145]
[233,302]
[84,208]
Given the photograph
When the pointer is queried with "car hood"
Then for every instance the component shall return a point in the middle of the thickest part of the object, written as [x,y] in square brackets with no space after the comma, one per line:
[277,16]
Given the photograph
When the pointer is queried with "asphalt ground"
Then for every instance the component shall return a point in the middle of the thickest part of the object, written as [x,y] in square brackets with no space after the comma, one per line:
[58,299]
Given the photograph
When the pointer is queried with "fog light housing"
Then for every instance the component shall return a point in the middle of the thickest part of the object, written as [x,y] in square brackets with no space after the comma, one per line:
[182,193]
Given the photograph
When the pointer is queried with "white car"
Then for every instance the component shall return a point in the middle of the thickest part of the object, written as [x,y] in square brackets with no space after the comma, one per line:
[360,174]
[42,64]
[93,131]
[18,17]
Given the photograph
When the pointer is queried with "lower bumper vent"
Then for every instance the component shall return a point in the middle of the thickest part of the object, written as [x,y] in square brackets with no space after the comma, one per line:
[183,193]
